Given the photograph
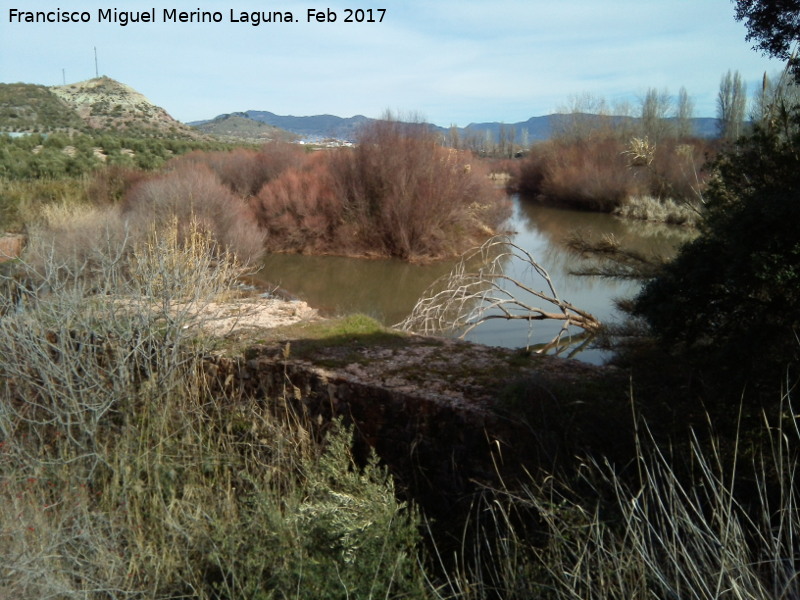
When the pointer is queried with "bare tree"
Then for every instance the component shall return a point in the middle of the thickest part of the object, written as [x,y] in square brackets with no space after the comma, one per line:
[655,107]
[502,140]
[525,139]
[453,137]
[488,142]
[585,115]
[478,290]
[731,103]
[625,120]
[684,112]
[511,140]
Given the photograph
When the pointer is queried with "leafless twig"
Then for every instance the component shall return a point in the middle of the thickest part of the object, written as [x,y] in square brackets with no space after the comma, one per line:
[479,290]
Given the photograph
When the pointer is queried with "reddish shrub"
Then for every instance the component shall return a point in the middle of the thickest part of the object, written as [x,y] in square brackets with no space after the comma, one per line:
[300,210]
[194,191]
[399,193]
[588,175]
[246,171]
[597,173]
[678,170]
[110,184]
[531,171]
[408,197]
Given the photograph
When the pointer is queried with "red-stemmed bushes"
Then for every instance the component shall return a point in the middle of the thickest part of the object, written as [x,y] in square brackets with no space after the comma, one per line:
[301,211]
[410,198]
[399,193]
[245,171]
[603,172]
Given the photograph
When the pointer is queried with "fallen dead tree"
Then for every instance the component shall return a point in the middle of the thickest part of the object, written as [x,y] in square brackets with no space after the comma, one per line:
[479,289]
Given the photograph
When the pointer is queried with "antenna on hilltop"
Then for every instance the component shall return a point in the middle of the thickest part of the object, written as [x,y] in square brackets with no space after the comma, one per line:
[96,72]
[64,76]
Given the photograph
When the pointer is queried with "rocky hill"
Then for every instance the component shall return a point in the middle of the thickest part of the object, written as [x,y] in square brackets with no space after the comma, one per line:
[105,104]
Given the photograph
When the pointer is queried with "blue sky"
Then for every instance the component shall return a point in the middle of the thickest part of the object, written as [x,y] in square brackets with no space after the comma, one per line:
[448,61]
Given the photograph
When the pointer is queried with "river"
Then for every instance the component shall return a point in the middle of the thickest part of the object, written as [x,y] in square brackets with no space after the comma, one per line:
[388,289]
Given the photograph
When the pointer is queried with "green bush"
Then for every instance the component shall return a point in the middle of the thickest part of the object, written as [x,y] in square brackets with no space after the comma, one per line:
[336,532]
[18,160]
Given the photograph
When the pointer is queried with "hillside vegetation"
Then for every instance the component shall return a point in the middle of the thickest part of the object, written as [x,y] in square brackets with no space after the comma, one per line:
[238,127]
[106,104]
[100,105]
[38,170]
[26,107]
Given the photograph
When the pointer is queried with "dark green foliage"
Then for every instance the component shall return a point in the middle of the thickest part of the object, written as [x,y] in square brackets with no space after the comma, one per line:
[774,25]
[732,297]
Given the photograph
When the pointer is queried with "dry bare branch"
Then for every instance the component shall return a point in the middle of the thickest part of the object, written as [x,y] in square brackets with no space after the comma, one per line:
[479,290]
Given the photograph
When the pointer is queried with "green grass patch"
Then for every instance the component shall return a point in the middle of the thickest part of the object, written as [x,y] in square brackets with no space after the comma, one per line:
[21,202]
[342,341]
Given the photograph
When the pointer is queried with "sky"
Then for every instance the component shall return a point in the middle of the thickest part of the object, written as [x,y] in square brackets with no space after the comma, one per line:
[445,61]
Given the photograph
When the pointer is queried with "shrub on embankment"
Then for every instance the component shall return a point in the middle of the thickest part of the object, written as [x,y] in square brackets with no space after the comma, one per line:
[193,192]
[606,173]
[399,193]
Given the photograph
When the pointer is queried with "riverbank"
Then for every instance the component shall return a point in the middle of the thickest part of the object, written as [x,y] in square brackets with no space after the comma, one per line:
[446,408]
[293,460]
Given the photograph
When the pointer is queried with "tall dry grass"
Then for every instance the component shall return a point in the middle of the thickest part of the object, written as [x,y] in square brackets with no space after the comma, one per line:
[718,522]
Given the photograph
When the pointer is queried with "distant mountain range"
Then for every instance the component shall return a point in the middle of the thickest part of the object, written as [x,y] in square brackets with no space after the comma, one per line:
[105,105]
[319,127]
[311,128]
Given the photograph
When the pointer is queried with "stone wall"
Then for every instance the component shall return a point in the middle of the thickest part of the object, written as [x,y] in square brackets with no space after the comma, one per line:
[445,431]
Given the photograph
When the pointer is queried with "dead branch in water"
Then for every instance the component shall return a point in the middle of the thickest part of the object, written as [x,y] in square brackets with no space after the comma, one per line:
[478,290]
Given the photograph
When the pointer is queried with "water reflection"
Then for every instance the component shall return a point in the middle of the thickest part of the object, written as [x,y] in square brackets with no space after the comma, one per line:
[384,289]
[388,289]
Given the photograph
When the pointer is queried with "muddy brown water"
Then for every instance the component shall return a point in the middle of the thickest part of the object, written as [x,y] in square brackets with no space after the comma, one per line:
[388,289]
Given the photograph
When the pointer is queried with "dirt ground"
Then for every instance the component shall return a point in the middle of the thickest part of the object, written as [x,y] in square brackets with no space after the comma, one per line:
[254,313]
